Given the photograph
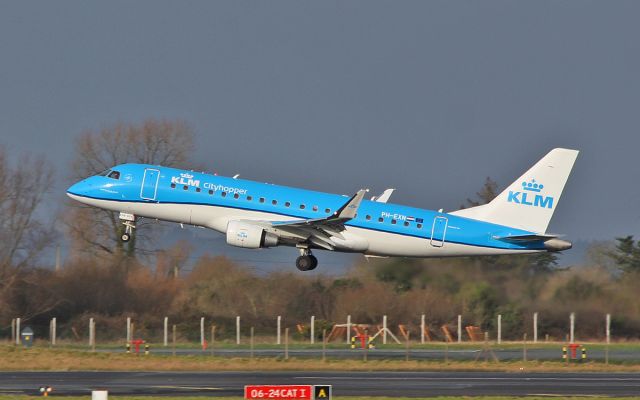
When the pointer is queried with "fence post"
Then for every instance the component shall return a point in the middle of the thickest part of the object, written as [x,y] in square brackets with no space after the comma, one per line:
[13,331]
[92,342]
[18,331]
[348,329]
[128,329]
[459,328]
[166,331]
[313,327]
[535,327]
[524,347]
[499,328]
[238,329]
[251,342]
[608,334]
[52,332]
[286,343]
[608,328]
[213,338]
[324,345]
[202,339]
[406,357]
[173,339]
[422,326]
[279,329]
[572,320]
[384,329]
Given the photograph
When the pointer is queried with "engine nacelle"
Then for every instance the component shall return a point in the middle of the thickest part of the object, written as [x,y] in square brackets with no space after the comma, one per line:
[242,234]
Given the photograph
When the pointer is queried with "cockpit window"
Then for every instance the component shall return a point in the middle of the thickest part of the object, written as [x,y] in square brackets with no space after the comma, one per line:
[114,175]
[104,173]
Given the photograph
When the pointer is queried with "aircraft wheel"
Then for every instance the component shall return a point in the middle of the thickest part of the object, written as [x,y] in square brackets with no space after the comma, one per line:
[314,262]
[305,263]
[125,237]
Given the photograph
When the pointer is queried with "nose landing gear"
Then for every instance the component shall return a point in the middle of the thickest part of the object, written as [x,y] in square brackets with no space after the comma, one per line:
[306,261]
[129,222]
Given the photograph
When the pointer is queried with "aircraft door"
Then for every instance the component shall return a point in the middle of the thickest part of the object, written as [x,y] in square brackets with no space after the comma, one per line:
[149,188]
[438,231]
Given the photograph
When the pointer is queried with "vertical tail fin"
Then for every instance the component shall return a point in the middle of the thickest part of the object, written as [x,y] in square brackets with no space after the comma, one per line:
[529,202]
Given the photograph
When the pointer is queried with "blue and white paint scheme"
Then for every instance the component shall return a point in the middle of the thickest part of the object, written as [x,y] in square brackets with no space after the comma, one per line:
[259,215]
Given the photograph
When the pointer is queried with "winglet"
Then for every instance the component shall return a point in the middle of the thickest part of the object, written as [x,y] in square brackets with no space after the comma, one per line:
[349,210]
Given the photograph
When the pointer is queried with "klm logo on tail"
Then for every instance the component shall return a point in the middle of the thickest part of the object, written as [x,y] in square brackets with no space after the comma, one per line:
[530,195]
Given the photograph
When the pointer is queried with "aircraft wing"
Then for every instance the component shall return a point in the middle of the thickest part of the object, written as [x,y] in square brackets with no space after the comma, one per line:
[317,231]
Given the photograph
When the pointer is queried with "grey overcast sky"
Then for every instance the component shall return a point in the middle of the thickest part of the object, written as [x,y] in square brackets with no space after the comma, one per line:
[429,97]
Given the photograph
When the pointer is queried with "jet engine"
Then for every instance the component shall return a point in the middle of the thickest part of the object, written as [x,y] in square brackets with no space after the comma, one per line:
[243,234]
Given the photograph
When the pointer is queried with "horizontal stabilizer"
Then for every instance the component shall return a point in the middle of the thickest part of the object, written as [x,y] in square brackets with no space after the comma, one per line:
[550,241]
[526,238]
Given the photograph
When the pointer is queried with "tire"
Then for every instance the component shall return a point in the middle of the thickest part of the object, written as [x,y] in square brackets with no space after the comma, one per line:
[125,237]
[304,263]
[314,262]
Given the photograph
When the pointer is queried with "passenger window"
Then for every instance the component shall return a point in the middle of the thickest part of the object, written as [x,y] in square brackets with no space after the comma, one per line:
[173,186]
[249,198]
[368,217]
[406,223]
[380,219]
[210,191]
[419,226]
[393,222]
[261,199]
[274,202]
[287,204]
[223,194]
[185,187]
[114,175]
[198,190]
[315,208]
[236,196]
[328,211]
[302,206]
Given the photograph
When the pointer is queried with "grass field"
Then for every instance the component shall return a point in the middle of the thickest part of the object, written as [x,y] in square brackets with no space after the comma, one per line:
[61,359]
[268,343]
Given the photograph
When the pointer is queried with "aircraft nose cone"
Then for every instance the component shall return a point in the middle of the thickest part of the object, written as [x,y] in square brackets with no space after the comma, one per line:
[77,189]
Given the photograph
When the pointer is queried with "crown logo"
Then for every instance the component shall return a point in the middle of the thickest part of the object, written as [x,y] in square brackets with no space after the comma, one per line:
[532,186]
[186,175]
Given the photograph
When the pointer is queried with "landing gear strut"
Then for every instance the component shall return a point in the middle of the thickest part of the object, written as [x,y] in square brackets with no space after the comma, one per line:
[306,261]
[129,222]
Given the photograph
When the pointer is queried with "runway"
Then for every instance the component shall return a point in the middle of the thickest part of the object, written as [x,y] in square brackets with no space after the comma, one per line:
[409,384]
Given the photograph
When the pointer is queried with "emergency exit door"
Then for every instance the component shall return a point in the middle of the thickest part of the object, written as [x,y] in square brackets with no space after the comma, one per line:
[438,231]
[149,188]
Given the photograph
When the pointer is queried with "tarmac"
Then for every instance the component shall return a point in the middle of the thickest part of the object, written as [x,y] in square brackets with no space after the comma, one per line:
[395,384]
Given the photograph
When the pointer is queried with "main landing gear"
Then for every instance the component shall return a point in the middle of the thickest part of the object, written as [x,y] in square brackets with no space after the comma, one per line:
[129,222]
[306,261]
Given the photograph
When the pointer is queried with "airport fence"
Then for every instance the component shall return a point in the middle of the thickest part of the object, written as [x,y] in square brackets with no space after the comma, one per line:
[420,338]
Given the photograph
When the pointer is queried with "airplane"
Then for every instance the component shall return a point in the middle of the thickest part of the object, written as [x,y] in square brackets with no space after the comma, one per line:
[261,215]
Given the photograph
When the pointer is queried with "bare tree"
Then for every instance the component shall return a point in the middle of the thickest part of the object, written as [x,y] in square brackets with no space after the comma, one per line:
[24,232]
[157,142]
